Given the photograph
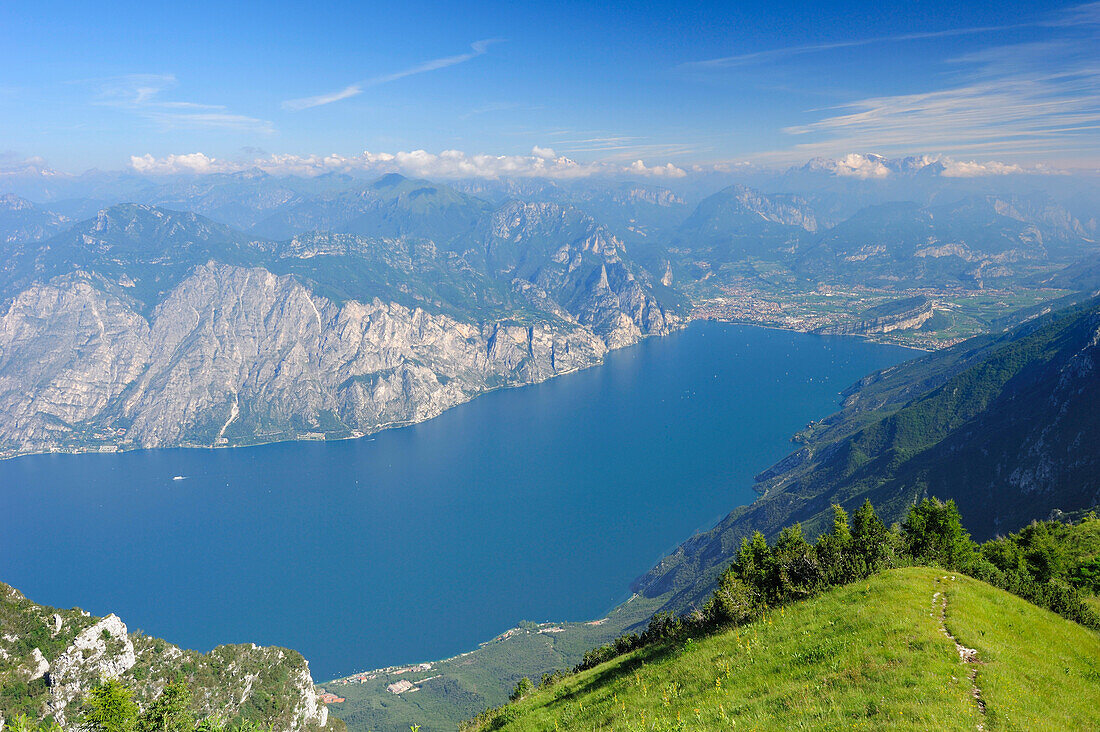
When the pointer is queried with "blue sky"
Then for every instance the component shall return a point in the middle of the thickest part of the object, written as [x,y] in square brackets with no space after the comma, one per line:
[679,83]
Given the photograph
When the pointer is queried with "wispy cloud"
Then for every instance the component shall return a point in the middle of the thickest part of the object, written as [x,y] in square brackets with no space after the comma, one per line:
[616,148]
[1024,101]
[141,95]
[296,105]
[1075,16]
[1087,14]
[776,54]
[477,48]
[1025,113]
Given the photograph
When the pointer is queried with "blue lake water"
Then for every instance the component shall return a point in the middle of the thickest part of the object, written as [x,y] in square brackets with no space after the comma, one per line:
[539,503]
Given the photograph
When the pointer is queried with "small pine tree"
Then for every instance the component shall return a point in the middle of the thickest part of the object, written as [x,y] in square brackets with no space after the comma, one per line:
[841,532]
[755,564]
[870,539]
[1005,554]
[796,573]
[733,601]
[109,707]
[523,688]
[169,712]
[1043,554]
[833,550]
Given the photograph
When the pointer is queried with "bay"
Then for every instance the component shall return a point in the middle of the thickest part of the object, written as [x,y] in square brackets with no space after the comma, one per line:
[538,503]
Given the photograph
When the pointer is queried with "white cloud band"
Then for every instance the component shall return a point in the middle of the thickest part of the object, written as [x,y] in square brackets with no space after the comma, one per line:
[541,163]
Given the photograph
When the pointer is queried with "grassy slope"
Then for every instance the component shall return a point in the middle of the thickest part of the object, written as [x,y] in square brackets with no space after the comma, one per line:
[468,684]
[1038,672]
[871,655]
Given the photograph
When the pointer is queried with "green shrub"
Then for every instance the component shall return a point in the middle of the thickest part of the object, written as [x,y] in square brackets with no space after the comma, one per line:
[934,534]
[523,688]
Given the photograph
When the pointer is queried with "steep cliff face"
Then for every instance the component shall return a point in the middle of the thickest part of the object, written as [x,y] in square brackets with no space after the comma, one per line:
[67,349]
[144,327]
[907,314]
[569,258]
[238,355]
[51,658]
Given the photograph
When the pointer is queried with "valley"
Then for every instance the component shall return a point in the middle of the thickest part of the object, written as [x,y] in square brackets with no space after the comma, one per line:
[926,319]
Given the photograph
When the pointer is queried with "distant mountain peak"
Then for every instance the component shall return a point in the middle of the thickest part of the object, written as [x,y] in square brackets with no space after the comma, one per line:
[736,205]
[389,180]
[871,166]
[12,202]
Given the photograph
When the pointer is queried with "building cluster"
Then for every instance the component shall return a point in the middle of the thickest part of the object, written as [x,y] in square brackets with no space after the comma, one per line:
[745,307]
[364,677]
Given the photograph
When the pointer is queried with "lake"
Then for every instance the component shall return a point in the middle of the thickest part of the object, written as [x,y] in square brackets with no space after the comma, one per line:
[539,503]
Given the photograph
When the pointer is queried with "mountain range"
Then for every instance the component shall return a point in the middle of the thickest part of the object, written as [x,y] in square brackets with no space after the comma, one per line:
[148,327]
[332,307]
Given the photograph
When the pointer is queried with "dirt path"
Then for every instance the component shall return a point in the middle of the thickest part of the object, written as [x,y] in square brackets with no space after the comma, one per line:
[968,656]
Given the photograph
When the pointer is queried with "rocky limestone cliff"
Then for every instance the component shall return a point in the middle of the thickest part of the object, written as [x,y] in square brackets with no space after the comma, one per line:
[50,658]
[567,257]
[238,355]
[144,327]
[909,318]
[100,651]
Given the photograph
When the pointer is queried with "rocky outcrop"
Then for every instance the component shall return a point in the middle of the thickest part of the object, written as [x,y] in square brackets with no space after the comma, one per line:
[909,318]
[67,349]
[270,686]
[561,254]
[100,651]
[144,327]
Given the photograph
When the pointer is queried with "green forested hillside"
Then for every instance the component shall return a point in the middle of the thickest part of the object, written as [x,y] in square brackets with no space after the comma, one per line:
[877,654]
[1004,425]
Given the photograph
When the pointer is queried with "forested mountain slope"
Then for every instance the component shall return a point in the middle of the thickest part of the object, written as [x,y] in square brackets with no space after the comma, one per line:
[1003,425]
